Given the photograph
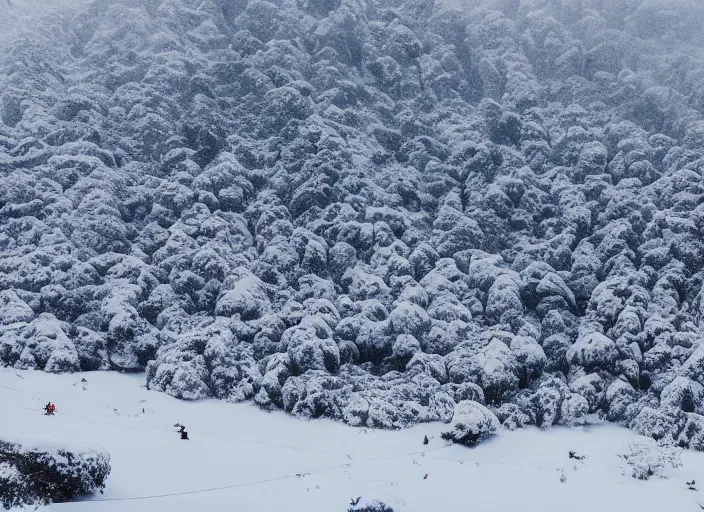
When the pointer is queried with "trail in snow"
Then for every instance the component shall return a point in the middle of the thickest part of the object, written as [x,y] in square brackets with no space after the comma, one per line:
[241,458]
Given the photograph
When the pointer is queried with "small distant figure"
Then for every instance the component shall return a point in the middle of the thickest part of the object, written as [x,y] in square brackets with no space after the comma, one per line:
[184,435]
[354,501]
[425,440]
[50,409]
[425,477]
[690,485]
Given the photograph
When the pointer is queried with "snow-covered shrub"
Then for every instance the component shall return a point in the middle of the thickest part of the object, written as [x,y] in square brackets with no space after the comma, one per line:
[619,398]
[41,474]
[552,403]
[591,388]
[683,394]
[511,417]
[403,350]
[365,504]
[592,350]
[409,318]
[471,423]
[310,346]
[646,460]
[659,424]
[496,369]
[530,356]
[245,296]
[13,309]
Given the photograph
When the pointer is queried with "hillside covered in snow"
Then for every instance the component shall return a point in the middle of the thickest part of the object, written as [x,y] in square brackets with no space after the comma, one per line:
[363,210]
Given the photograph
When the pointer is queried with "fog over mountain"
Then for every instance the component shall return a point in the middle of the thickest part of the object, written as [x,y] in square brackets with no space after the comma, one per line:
[364,210]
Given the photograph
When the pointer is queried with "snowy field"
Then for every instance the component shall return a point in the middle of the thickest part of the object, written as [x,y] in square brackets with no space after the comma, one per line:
[240,458]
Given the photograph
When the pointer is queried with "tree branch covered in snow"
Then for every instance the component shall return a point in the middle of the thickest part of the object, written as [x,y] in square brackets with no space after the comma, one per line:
[369,211]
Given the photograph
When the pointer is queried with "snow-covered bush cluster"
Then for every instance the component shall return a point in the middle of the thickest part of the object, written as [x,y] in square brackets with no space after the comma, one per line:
[369,211]
[39,475]
[646,460]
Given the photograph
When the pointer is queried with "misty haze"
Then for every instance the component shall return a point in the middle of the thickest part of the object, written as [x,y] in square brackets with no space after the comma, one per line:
[432,227]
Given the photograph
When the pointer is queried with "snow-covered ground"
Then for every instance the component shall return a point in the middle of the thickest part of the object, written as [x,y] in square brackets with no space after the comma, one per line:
[241,458]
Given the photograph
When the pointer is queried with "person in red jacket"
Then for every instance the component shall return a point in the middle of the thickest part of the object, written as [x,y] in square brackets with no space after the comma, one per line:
[50,408]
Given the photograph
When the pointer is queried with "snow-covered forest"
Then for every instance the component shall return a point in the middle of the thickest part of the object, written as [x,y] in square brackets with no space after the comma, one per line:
[360,209]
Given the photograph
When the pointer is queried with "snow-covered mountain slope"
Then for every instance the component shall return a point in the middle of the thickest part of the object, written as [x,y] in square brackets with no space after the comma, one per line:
[362,210]
[242,458]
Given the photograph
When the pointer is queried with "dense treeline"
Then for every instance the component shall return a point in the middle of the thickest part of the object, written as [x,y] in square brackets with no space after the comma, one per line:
[370,211]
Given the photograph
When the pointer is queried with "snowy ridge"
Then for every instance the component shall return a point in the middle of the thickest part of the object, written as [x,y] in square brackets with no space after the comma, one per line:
[371,212]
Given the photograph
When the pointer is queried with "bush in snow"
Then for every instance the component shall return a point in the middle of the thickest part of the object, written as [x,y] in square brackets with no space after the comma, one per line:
[39,475]
[364,504]
[497,370]
[552,403]
[683,394]
[646,460]
[592,351]
[310,346]
[471,423]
